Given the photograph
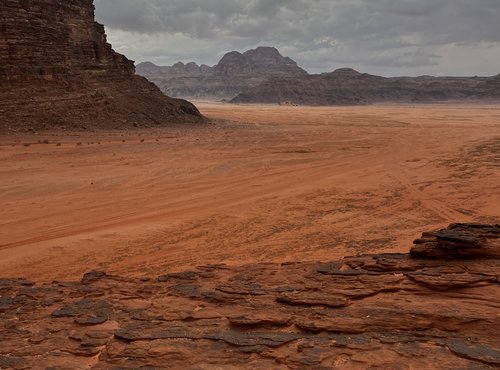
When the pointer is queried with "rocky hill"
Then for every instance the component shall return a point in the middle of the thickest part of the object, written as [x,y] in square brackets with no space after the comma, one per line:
[263,75]
[435,308]
[57,70]
[234,73]
[349,87]
[263,61]
[156,73]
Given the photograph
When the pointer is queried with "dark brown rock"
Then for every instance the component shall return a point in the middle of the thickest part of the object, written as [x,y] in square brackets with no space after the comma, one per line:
[58,71]
[260,320]
[93,276]
[313,299]
[93,320]
[482,353]
[459,241]
[86,309]
[8,362]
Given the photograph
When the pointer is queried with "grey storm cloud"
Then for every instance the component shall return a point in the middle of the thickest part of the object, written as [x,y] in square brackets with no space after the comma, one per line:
[380,36]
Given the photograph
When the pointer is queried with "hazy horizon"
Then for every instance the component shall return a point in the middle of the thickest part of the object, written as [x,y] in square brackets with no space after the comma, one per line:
[318,72]
[385,37]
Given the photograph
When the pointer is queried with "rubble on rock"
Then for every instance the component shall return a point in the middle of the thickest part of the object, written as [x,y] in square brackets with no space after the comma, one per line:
[377,311]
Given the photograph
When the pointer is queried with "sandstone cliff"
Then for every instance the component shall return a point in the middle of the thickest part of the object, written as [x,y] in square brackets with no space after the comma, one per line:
[57,70]
[437,308]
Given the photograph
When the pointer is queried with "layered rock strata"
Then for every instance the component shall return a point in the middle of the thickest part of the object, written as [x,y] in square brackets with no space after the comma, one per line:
[57,70]
[391,311]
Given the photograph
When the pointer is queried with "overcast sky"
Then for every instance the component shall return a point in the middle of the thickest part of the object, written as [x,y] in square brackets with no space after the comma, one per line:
[386,37]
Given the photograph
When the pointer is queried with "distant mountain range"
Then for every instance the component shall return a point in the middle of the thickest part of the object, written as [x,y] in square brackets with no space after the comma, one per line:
[234,74]
[263,75]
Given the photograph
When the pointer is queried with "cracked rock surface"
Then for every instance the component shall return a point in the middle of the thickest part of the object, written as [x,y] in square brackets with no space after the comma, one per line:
[427,310]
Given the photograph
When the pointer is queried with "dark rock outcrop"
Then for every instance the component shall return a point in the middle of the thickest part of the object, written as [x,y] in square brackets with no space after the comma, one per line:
[234,73]
[57,70]
[388,311]
[460,241]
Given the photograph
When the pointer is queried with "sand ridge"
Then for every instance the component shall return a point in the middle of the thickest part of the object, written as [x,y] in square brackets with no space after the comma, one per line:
[262,184]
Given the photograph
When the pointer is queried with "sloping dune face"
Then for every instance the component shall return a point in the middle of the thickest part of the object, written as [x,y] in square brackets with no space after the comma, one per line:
[263,184]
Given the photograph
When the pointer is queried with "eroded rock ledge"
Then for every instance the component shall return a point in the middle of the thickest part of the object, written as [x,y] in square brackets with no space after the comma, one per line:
[426,310]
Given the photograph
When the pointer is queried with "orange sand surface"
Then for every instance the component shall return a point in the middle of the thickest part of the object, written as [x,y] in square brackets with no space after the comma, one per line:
[264,183]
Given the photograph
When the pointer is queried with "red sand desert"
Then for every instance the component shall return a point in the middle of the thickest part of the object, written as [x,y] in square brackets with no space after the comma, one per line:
[264,183]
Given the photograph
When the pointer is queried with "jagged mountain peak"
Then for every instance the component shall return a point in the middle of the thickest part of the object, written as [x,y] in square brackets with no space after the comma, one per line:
[346,72]
[262,61]
[146,64]
[263,50]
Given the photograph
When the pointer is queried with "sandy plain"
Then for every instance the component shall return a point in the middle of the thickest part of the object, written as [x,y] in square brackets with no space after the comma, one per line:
[262,183]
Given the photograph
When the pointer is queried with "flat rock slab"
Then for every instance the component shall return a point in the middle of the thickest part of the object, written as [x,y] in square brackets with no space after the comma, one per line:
[390,311]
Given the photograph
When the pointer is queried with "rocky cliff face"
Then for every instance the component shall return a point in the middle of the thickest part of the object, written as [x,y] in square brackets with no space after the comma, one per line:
[57,70]
[434,309]
[234,73]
